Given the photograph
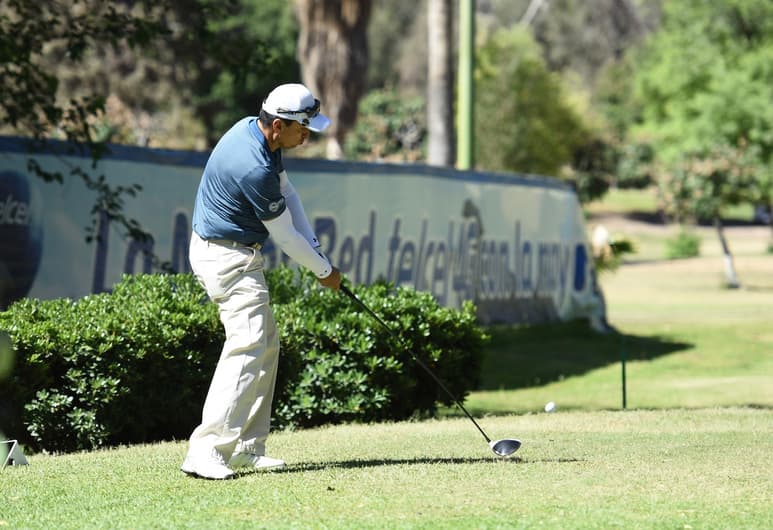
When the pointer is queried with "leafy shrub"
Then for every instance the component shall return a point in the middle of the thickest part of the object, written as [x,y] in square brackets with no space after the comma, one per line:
[609,257]
[131,366]
[134,365]
[390,127]
[635,166]
[525,121]
[592,165]
[338,364]
[684,245]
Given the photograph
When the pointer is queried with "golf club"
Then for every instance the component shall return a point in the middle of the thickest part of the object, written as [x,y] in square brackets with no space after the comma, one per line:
[505,447]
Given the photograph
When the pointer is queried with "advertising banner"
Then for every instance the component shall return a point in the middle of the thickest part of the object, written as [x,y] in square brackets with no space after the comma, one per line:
[516,245]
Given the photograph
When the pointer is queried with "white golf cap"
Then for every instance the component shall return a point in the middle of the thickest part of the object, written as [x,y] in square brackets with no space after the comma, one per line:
[294,101]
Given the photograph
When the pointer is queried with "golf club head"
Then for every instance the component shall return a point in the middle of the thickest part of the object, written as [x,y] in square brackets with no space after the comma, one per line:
[504,447]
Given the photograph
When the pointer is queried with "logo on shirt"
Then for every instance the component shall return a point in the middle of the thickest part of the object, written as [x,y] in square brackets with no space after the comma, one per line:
[273,207]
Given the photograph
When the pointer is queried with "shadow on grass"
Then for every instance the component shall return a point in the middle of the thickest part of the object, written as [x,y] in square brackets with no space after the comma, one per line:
[527,356]
[371,463]
[757,288]
[660,218]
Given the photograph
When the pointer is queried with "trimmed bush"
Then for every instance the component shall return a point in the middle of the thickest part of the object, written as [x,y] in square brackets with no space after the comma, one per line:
[131,366]
[338,364]
[134,365]
[684,245]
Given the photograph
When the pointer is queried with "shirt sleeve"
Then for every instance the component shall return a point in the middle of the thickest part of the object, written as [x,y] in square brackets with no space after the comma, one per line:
[295,245]
[262,190]
[293,202]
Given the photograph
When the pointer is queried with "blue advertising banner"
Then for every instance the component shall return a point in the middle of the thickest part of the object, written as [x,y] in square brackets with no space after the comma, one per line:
[514,244]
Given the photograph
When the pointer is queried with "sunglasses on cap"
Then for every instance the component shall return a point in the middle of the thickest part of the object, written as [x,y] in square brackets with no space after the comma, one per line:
[304,115]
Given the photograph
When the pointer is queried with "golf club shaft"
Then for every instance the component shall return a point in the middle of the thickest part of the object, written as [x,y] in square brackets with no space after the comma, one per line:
[421,363]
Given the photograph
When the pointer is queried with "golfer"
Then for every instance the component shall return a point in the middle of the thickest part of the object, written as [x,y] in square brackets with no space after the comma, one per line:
[244,197]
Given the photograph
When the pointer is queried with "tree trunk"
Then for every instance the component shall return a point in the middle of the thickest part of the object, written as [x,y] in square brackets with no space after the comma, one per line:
[770,224]
[732,278]
[333,52]
[531,12]
[440,108]
[770,240]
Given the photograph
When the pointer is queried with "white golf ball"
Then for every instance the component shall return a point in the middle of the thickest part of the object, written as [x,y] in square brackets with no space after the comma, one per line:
[550,407]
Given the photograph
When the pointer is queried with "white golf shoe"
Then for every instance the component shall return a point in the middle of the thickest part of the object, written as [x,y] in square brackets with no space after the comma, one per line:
[212,467]
[249,460]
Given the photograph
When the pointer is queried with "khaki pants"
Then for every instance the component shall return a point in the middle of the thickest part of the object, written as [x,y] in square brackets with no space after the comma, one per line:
[237,411]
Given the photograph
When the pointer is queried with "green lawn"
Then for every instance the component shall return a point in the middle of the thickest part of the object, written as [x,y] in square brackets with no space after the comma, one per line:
[687,341]
[645,201]
[692,450]
[706,468]
[624,201]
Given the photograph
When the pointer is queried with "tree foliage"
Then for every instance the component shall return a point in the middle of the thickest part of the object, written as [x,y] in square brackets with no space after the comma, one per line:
[390,128]
[583,36]
[580,37]
[30,101]
[705,82]
[202,70]
[266,57]
[702,185]
[397,63]
[523,120]
[92,72]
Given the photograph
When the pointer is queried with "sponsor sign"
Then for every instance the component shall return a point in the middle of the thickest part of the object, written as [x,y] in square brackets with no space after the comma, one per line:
[516,245]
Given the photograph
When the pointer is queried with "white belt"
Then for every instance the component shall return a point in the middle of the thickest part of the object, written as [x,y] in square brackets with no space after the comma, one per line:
[233,244]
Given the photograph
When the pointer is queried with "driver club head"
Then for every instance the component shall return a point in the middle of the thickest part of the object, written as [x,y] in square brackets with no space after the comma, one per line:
[504,447]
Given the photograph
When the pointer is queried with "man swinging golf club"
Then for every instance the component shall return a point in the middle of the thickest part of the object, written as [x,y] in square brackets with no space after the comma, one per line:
[244,197]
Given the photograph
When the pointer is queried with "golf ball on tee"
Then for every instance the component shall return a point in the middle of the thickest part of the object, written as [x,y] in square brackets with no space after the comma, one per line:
[550,407]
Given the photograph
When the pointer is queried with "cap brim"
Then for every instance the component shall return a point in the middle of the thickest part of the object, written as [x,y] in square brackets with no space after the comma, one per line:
[319,123]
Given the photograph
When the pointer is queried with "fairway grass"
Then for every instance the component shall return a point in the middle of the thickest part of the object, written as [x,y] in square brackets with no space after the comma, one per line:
[688,342]
[706,468]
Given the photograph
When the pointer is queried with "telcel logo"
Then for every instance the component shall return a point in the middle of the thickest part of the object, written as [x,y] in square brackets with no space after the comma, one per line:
[13,212]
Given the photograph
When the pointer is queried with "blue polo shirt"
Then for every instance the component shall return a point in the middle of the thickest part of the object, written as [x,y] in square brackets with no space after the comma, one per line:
[239,187]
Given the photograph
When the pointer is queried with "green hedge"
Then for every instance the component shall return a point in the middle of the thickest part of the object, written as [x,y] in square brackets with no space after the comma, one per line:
[338,364]
[134,365]
[130,366]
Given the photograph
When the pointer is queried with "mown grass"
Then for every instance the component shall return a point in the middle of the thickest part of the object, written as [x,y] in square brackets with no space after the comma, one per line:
[636,201]
[692,450]
[687,342]
[705,468]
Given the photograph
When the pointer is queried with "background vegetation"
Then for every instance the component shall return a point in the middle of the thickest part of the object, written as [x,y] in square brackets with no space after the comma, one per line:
[605,93]
[673,97]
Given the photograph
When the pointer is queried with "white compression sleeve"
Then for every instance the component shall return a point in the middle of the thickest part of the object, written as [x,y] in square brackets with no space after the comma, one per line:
[293,201]
[295,245]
